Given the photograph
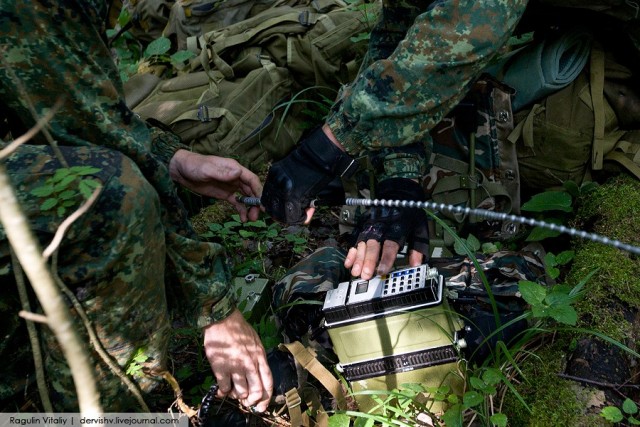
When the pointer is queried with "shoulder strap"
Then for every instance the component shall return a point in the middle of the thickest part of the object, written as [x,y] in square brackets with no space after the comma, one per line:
[309,362]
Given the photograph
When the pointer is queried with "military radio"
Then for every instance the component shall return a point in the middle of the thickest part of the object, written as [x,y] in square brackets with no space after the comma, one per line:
[394,329]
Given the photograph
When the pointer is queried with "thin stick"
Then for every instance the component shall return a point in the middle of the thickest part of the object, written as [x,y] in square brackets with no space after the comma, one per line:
[36,351]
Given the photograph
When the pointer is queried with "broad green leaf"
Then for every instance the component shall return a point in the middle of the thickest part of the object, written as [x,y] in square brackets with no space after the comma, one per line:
[67,194]
[553,272]
[565,257]
[549,201]
[540,233]
[473,243]
[472,398]
[340,420]
[492,376]
[64,183]
[61,173]
[159,46]
[611,413]
[182,56]
[532,292]
[558,298]
[499,420]
[44,191]
[61,211]
[629,407]
[453,416]
[48,204]
[85,170]
[476,383]
[563,314]
[572,188]
[490,248]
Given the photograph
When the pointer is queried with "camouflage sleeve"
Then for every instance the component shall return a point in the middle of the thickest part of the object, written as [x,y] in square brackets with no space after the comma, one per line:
[55,55]
[165,144]
[397,100]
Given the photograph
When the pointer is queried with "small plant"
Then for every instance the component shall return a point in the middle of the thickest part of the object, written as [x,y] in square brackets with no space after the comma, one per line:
[248,242]
[67,188]
[134,367]
[615,415]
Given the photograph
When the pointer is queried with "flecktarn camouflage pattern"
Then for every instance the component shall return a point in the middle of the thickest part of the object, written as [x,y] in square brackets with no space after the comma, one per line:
[137,237]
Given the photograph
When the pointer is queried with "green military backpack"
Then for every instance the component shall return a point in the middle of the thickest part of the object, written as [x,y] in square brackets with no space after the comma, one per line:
[247,93]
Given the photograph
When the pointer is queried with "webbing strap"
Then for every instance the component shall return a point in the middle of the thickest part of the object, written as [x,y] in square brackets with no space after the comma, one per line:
[294,401]
[309,362]
[596,82]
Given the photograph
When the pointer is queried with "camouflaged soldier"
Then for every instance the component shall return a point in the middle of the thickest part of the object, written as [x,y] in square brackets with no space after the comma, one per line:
[116,257]
[424,57]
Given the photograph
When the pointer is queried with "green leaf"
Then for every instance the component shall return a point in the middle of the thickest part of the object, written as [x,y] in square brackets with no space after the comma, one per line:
[472,398]
[549,201]
[540,233]
[611,413]
[492,376]
[453,416]
[64,183]
[340,420]
[182,56]
[61,211]
[565,257]
[629,407]
[48,204]
[473,243]
[61,173]
[563,314]
[572,188]
[246,234]
[499,420]
[553,272]
[159,46]
[476,383]
[558,298]
[85,170]
[489,248]
[44,191]
[532,292]
[67,194]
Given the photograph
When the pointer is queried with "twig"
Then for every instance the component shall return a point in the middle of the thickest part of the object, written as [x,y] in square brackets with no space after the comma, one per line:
[94,340]
[33,317]
[57,238]
[40,124]
[33,333]
[178,394]
[29,255]
[25,96]
[598,383]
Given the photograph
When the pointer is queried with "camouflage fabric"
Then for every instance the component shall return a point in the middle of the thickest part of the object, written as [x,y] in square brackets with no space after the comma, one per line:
[400,97]
[298,295]
[503,270]
[116,258]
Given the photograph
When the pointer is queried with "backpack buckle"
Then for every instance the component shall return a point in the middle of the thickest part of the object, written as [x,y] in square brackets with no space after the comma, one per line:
[203,113]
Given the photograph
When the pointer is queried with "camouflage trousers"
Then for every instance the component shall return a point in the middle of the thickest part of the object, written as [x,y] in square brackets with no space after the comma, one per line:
[113,261]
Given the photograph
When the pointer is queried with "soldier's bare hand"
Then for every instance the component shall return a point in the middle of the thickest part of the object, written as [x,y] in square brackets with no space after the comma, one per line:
[239,362]
[216,177]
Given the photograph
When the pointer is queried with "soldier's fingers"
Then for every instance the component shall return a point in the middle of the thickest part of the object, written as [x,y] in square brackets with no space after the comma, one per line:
[371,256]
[224,384]
[415,258]
[356,258]
[240,389]
[389,253]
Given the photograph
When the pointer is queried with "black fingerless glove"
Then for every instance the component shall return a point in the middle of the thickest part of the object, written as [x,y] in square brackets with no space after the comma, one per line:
[400,225]
[293,182]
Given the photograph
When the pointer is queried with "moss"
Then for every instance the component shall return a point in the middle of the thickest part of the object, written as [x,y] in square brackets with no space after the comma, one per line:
[552,400]
[610,210]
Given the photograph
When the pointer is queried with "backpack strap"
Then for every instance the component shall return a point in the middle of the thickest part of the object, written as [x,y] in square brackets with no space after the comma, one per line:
[309,362]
